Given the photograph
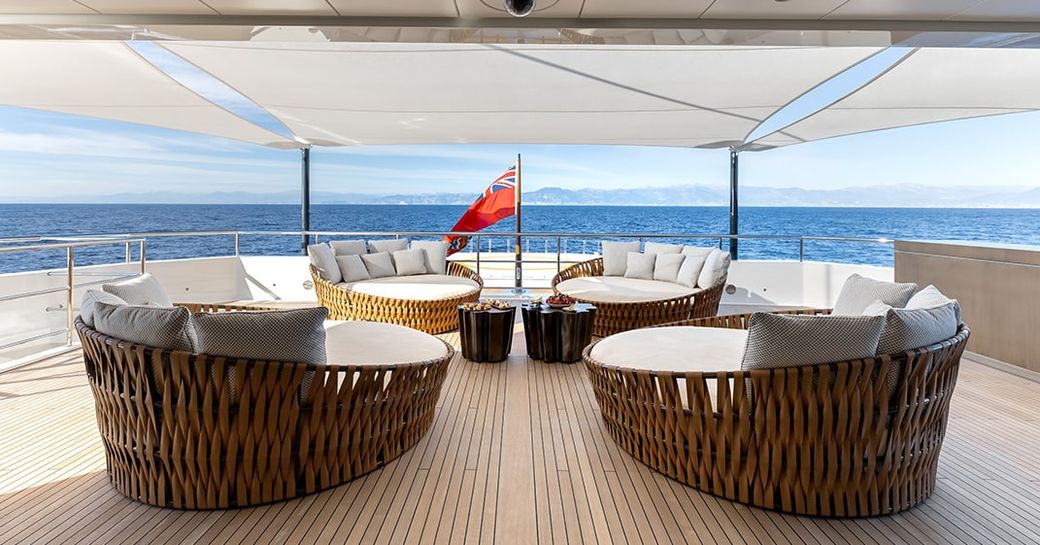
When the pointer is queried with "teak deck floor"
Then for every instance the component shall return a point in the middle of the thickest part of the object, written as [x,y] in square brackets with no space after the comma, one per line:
[517,454]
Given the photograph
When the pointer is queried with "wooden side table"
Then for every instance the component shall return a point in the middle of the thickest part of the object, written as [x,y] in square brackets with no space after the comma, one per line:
[486,335]
[557,335]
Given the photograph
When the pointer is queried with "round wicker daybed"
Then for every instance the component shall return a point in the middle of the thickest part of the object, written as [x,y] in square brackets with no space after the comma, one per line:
[625,303]
[778,438]
[179,433]
[427,302]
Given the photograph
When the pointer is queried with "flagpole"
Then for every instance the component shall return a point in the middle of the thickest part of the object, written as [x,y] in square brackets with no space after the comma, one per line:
[518,270]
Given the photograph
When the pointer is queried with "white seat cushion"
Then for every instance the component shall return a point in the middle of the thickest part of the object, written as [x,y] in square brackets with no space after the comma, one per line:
[91,298]
[324,260]
[674,349]
[777,340]
[420,287]
[281,335]
[859,292]
[616,289]
[615,256]
[358,343]
[640,266]
[348,247]
[715,267]
[142,290]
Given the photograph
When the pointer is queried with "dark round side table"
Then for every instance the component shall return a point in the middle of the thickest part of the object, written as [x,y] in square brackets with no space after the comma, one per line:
[557,335]
[486,335]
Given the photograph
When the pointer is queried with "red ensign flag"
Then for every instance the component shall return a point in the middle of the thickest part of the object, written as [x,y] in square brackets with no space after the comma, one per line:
[497,202]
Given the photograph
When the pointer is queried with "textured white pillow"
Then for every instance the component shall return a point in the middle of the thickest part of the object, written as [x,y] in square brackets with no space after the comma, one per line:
[168,328]
[615,257]
[715,267]
[379,265]
[91,298]
[859,292]
[352,268]
[436,255]
[640,266]
[667,266]
[931,297]
[324,260]
[777,340]
[348,247]
[907,329]
[699,251]
[690,271]
[388,245]
[143,290]
[410,262]
[662,248]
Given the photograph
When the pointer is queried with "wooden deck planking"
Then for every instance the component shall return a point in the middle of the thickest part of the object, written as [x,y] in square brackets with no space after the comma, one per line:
[517,454]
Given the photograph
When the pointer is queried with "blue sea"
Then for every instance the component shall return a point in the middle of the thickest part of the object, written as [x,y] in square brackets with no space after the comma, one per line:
[999,225]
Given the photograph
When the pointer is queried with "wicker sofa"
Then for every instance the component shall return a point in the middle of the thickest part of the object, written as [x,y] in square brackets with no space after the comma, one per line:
[826,439]
[375,300]
[660,303]
[178,434]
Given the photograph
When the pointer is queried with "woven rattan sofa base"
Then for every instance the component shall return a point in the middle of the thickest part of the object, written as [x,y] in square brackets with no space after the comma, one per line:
[821,440]
[617,317]
[174,436]
[432,316]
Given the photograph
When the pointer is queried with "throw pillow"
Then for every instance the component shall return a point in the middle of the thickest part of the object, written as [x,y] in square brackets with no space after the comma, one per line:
[278,335]
[352,268]
[387,245]
[324,261]
[349,247]
[435,255]
[615,257]
[858,292]
[715,267]
[662,248]
[379,265]
[93,297]
[143,290]
[640,266]
[410,262]
[168,328]
[777,340]
[690,271]
[667,266]
[931,297]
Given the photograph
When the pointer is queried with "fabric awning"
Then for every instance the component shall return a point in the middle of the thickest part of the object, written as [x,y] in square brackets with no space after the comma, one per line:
[109,80]
[390,93]
[931,85]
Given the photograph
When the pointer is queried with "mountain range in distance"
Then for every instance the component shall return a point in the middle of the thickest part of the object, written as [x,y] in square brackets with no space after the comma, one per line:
[887,196]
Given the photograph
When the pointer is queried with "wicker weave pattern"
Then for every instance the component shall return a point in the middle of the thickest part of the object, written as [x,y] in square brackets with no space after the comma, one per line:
[175,437]
[432,316]
[847,450]
[617,317]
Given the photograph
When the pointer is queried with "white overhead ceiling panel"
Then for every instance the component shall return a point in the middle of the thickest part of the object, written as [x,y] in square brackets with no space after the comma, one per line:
[395,8]
[644,8]
[1016,10]
[272,7]
[931,85]
[172,7]
[46,7]
[345,94]
[771,9]
[900,9]
[108,80]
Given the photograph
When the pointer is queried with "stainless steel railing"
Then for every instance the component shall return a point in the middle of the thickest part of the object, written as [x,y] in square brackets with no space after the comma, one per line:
[70,246]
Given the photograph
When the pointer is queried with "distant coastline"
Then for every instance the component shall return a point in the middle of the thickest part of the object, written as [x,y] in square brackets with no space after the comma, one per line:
[879,196]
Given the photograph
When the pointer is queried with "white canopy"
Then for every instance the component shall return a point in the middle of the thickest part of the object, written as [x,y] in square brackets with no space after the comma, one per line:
[109,80]
[930,85]
[389,93]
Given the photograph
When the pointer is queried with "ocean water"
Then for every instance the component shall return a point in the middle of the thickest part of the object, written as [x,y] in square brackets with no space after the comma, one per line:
[1021,226]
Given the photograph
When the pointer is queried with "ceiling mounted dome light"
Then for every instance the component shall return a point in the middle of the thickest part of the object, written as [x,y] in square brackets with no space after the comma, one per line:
[519,8]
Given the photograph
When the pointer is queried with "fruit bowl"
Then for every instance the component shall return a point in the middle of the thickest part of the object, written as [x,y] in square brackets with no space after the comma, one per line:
[560,301]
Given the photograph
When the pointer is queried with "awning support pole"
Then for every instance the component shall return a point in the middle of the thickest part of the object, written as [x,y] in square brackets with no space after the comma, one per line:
[305,198]
[734,208]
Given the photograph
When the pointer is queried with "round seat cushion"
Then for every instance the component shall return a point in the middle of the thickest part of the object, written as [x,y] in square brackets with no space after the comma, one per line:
[618,289]
[674,349]
[420,287]
[373,343]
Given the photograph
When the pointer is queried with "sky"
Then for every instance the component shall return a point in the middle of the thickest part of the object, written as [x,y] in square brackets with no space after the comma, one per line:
[44,154]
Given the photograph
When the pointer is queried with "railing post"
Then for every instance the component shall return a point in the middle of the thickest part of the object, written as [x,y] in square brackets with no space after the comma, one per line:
[478,255]
[69,285]
[801,248]
[127,258]
[557,255]
[237,243]
[142,256]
